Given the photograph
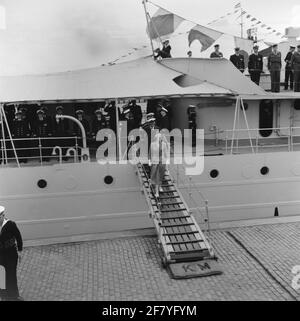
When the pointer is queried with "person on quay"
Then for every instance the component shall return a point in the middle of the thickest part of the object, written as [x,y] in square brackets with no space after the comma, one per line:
[11,246]
[43,129]
[238,60]
[255,65]
[217,53]
[159,158]
[295,63]
[274,66]
[20,134]
[289,76]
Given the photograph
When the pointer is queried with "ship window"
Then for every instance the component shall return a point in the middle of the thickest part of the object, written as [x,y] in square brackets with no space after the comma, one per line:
[42,183]
[264,170]
[214,173]
[266,118]
[297,104]
[108,180]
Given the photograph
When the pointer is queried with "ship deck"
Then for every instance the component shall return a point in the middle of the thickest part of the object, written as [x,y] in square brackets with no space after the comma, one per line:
[257,262]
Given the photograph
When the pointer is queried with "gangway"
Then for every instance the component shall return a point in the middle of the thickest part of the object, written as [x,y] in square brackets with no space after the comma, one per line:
[179,234]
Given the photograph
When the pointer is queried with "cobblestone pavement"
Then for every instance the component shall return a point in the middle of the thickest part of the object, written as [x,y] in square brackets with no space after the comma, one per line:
[256,261]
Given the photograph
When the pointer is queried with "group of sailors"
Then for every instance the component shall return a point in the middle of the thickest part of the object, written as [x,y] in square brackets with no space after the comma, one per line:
[255,66]
[48,132]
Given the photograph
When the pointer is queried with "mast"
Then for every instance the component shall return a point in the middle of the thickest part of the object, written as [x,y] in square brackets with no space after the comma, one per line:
[242,22]
[148,24]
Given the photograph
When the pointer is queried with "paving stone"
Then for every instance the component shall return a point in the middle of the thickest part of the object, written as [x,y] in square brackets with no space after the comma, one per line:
[130,269]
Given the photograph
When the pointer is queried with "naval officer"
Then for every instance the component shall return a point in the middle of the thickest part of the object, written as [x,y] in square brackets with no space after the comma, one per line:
[274,66]
[238,60]
[217,53]
[11,246]
[255,65]
[295,62]
[289,76]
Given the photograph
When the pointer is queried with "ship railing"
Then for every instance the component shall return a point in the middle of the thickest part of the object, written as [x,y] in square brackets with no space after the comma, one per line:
[196,197]
[42,149]
[234,143]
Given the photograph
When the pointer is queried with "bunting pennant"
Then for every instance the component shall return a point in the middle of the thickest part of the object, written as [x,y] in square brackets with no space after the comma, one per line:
[253,19]
[238,5]
[204,35]
[163,23]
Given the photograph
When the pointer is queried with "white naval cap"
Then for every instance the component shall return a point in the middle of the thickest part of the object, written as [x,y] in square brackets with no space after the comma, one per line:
[2,209]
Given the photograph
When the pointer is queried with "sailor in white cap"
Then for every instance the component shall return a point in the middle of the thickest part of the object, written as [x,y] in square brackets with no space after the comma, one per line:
[163,119]
[11,245]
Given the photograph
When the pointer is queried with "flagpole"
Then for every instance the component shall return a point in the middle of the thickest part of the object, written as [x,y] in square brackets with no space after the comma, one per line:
[242,22]
[148,24]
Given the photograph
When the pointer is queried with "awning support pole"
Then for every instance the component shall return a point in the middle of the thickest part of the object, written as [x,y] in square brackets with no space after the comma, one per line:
[117,130]
[234,124]
[4,120]
[246,121]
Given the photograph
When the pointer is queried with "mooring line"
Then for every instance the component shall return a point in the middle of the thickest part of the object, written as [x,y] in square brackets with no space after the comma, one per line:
[257,260]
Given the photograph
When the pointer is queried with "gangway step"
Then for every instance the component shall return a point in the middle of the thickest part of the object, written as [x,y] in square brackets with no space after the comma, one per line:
[183,257]
[172,210]
[176,225]
[180,233]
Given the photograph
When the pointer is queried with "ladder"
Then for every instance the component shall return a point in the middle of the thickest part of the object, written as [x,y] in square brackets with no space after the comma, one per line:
[178,232]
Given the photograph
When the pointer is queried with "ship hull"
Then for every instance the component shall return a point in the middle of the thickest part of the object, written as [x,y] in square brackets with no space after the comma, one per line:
[77,201]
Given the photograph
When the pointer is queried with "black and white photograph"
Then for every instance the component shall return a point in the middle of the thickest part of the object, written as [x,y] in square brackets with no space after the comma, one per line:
[149,153]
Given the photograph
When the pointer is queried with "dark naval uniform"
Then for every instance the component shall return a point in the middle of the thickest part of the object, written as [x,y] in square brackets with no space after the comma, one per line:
[43,129]
[274,66]
[137,114]
[21,130]
[97,125]
[295,63]
[163,122]
[289,75]
[255,67]
[238,61]
[10,243]
[216,54]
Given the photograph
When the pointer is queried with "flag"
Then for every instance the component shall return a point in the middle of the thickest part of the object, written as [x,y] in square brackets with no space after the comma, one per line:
[278,33]
[253,19]
[205,36]
[238,5]
[248,16]
[163,23]
[269,28]
[262,26]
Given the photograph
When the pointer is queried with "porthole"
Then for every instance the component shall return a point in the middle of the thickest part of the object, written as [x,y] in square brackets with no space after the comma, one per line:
[42,183]
[108,180]
[214,173]
[264,170]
